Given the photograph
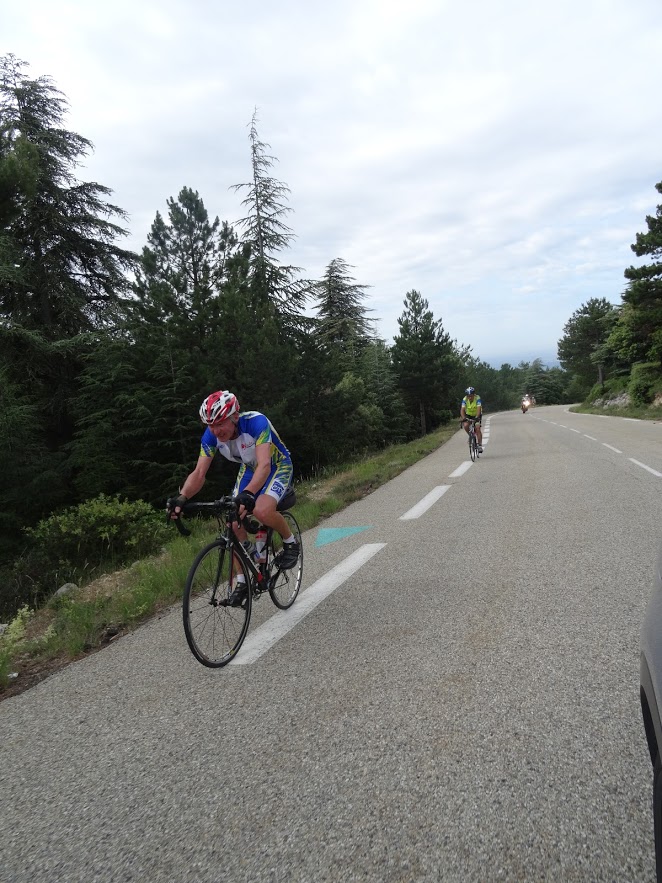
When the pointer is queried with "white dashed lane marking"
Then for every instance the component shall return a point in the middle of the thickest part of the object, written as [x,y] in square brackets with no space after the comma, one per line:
[643,466]
[262,639]
[427,501]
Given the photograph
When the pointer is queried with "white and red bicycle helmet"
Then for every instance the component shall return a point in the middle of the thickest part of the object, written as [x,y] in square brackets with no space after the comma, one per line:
[218,406]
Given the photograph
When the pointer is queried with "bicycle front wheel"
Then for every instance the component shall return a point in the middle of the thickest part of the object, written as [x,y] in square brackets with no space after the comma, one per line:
[473,448]
[215,630]
[284,585]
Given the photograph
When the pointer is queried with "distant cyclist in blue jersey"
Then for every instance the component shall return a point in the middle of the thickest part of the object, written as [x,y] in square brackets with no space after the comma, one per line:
[266,471]
[472,407]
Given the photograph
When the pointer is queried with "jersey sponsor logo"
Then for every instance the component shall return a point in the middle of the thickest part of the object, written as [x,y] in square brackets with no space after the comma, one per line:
[278,488]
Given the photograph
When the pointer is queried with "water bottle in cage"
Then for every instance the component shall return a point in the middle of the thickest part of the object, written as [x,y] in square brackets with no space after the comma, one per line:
[251,549]
[260,545]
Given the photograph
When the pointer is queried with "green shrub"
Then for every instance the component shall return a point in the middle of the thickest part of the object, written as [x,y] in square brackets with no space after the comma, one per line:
[77,544]
[643,378]
[610,389]
[12,636]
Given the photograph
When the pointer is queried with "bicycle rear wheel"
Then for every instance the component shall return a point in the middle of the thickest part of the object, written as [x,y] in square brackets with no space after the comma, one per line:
[214,630]
[284,585]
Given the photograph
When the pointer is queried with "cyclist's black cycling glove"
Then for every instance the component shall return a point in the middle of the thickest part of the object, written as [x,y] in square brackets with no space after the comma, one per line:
[179,501]
[247,500]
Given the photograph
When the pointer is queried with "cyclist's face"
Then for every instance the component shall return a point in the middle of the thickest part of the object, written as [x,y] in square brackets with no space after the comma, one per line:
[224,429]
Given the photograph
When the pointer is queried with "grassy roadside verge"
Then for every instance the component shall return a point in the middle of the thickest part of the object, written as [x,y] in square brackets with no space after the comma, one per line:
[643,413]
[37,643]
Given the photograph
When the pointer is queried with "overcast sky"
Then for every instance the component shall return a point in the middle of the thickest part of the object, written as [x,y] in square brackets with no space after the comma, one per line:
[499,157]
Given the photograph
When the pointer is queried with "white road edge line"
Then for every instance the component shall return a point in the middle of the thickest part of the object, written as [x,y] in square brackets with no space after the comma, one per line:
[271,631]
[590,436]
[461,469]
[574,430]
[612,448]
[647,468]
[427,501]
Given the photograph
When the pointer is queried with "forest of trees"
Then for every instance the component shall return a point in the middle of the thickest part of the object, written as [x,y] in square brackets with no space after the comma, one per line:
[614,352]
[105,355]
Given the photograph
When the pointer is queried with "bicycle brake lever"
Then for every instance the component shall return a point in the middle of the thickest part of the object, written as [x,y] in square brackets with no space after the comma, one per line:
[184,531]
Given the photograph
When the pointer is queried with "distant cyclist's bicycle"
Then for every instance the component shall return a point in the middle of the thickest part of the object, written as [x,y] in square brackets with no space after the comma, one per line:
[215,620]
[473,438]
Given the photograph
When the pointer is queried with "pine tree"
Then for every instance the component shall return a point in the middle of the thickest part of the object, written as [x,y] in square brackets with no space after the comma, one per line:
[344,328]
[267,234]
[390,422]
[584,335]
[71,273]
[425,361]
[644,291]
[62,275]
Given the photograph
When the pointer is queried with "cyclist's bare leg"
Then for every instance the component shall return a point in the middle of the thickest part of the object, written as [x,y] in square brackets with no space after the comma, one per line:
[266,512]
[479,434]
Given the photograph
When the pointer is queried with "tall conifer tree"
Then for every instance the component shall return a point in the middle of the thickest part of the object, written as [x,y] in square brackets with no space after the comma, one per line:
[62,273]
[267,234]
[643,294]
[425,361]
[344,328]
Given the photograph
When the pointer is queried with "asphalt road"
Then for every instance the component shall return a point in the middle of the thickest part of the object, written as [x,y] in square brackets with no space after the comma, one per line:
[463,707]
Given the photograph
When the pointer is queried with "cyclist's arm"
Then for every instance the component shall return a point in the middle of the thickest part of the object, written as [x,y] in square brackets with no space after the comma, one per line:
[262,470]
[197,478]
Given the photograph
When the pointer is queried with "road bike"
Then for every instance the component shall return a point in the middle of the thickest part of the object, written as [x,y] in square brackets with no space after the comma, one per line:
[215,624]
[473,438]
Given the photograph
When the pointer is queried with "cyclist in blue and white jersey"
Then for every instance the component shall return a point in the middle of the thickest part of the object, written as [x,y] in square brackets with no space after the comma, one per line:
[472,407]
[265,474]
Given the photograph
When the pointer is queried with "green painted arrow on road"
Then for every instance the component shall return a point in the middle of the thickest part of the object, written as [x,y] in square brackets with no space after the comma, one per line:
[331,534]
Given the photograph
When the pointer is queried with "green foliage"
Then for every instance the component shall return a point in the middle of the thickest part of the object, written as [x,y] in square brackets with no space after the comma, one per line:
[577,389]
[644,378]
[70,271]
[266,234]
[581,349]
[426,363]
[343,327]
[644,291]
[11,638]
[77,544]
[101,530]
[610,389]
[546,384]
[62,277]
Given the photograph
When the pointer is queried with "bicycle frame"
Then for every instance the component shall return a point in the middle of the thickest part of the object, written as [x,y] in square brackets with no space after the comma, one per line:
[227,514]
[216,611]
[259,572]
[473,438]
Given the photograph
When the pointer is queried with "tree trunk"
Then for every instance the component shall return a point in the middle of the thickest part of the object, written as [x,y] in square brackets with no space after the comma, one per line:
[422,410]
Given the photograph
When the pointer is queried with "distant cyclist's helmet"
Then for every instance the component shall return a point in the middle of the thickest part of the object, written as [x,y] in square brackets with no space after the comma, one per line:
[470,390]
[218,406]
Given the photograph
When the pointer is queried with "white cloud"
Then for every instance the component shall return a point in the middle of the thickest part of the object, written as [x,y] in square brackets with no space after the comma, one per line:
[499,158]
